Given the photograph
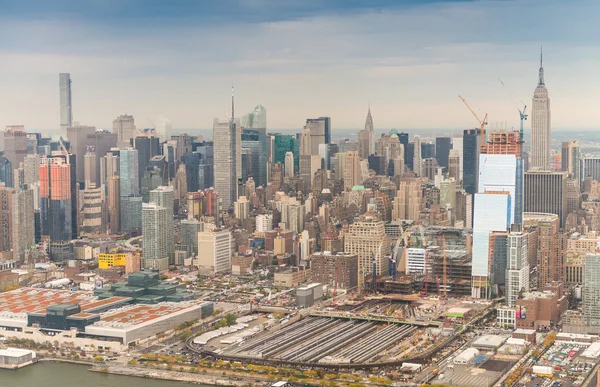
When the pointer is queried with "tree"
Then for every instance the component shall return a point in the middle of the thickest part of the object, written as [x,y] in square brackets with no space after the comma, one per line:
[274,261]
[230,319]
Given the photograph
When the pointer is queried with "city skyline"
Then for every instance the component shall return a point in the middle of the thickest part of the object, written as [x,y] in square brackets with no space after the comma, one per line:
[405,58]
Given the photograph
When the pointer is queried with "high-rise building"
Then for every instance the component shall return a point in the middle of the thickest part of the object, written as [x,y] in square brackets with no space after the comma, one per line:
[66,107]
[289,164]
[131,213]
[309,164]
[470,159]
[366,238]
[283,144]
[517,266]
[590,167]
[114,204]
[572,195]
[93,199]
[216,247]
[155,236]
[241,208]
[163,196]
[124,127]
[540,125]
[227,158]
[147,147]
[251,154]
[6,172]
[78,136]
[498,172]
[491,213]
[257,121]
[407,203]
[457,146]
[320,132]
[454,164]
[16,222]
[442,150]
[264,222]
[15,144]
[591,289]
[570,158]
[90,164]
[163,128]
[352,173]
[545,192]
[550,245]
[188,235]
[56,205]
[128,171]
[417,159]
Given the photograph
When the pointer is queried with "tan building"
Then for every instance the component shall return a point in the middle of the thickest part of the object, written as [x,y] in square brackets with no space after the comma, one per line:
[581,243]
[352,172]
[366,238]
[292,277]
[407,203]
[550,246]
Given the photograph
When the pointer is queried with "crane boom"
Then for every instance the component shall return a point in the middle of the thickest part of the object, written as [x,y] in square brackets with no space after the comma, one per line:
[482,123]
[522,113]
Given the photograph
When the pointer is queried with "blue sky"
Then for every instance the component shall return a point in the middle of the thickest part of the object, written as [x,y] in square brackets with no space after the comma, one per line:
[300,58]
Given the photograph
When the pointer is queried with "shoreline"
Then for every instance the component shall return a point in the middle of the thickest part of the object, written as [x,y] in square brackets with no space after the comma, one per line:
[178,376]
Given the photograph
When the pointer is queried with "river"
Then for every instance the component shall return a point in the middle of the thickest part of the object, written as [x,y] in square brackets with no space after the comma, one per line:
[46,374]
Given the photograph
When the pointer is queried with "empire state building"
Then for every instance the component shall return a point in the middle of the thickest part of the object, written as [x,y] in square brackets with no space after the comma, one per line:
[540,125]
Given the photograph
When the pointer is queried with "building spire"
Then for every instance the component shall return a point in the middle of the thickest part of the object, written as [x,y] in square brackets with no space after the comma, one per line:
[541,71]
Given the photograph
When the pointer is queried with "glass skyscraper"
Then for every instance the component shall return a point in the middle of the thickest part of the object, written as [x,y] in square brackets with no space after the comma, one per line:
[283,144]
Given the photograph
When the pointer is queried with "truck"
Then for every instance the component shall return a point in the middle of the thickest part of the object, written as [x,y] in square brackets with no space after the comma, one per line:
[435,371]
[543,370]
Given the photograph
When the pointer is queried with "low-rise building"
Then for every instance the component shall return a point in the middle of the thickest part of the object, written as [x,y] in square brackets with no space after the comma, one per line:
[292,277]
[541,309]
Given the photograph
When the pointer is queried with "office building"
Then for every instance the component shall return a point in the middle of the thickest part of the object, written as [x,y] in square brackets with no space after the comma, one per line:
[442,150]
[352,172]
[540,125]
[66,107]
[320,132]
[498,172]
[15,144]
[417,159]
[570,158]
[264,222]
[309,165]
[147,148]
[457,146]
[283,144]
[365,138]
[57,209]
[470,160]
[252,157]
[78,137]
[216,247]
[366,238]
[454,164]
[545,192]
[407,203]
[124,127]
[90,164]
[164,128]
[289,164]
[227,158]
[590,167]
[6,172]
[16,222]
[114,204]
[92,214]
[131,213]
[188,236]
[491,213]
[129,171]
[241,208]
[257,120]
[155,236]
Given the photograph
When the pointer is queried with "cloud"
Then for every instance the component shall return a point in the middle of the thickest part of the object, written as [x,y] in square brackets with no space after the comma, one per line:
[313,58]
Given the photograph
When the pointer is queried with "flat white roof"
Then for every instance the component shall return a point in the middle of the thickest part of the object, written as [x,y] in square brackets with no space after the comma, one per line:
[593,351]
[489,341]
[15,352]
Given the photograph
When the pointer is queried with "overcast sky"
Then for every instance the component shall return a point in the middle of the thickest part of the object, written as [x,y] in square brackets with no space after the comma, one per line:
[299,58]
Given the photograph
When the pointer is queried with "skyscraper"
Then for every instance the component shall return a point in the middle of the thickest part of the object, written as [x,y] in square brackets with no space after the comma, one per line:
[540,125]
[163,128]
[124,127]
[517,268]
[591,289]
[545,192]
[128,171]
[370,128]
[66,110]
[470,159]
[257,121]
[215,246]
[320,132]
[6,172]
[417,159]
[93,221]
[283,143]
[352,173]
[570,158]
[15,144]
[78,136]
[227,157]
[491,213]
[289,164]
[442,150]
[155,236]
[147,147]
[407,203]
[16,222]
[56,206]
[163,196]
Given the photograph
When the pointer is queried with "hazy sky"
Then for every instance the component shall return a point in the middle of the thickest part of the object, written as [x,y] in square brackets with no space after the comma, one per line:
[301,58]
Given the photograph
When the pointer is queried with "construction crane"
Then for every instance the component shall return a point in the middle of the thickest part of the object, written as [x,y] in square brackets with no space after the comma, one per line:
[482,123]
[522,113]
[394,259]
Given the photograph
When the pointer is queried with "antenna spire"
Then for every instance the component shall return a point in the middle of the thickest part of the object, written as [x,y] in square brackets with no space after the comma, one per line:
[232,105]
[541,71]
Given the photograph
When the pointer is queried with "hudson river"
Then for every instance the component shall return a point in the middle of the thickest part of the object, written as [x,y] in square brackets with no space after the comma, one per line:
[45,374]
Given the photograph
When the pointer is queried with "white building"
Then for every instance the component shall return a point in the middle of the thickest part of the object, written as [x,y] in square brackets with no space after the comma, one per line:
[214,251]
[154,236]
[289,164]
[540,125]
[241,208]
[164,197]
[264,222]
[498,173]
[163,127]
[491,213]
[457,144]
[517,266]
[415,260]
